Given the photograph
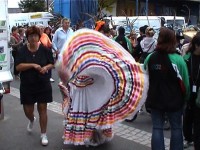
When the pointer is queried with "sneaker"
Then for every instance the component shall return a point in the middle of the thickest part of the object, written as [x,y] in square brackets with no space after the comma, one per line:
[131,119]
[30,125]
[44,140]
[17,77]
[166,125]
[141,111]
[187,144]
[52,80]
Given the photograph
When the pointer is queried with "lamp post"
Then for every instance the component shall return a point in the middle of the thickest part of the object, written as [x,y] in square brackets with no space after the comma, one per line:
[47,5]
[188,13]
[136,7]
[147,8]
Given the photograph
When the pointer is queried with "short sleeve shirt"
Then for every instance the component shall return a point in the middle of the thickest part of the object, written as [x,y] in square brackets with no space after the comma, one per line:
[31,79]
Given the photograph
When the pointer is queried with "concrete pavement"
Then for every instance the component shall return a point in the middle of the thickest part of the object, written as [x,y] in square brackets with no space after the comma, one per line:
[13,134]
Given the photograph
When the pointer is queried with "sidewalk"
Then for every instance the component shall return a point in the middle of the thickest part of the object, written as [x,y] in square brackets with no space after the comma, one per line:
[13,134]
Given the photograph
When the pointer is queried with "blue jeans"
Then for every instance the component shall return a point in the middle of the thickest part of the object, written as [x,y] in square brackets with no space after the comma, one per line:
[175,120]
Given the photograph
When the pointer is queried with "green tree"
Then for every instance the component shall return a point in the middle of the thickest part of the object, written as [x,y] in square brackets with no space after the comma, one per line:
[32,5]
[107,4]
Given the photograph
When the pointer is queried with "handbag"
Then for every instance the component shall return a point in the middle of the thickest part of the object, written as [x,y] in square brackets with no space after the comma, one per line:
[197,100]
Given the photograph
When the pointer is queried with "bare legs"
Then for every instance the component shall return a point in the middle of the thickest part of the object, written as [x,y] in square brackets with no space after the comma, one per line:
[28,110]
[42,110]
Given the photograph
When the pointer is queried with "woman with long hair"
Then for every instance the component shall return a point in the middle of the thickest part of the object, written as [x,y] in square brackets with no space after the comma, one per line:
[168,90]
[48,31]
[192,112]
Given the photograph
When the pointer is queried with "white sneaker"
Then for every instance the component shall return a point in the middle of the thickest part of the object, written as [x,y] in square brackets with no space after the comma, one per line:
[30,125]
[44,140]
[187,144]
[52,80]
[17,77]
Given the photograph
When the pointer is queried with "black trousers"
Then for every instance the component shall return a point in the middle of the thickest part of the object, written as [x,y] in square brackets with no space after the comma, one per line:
[14,53]
[188,122]
[197,128]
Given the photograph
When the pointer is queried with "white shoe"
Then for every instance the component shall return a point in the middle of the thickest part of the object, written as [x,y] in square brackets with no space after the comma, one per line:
[187,144]
[30,125]
[17,77]
[52,80]
[44,140]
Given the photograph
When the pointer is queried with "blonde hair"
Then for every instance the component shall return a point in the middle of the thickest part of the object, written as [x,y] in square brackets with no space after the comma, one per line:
[149,31]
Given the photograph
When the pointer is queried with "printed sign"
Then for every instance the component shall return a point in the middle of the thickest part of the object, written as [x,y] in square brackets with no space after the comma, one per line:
[2,57]
[36,16]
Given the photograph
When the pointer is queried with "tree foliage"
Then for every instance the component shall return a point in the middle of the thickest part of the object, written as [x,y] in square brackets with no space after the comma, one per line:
[107,4]
[32,5]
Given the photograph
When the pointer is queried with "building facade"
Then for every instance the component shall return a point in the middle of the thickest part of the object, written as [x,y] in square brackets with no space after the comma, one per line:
[157,8]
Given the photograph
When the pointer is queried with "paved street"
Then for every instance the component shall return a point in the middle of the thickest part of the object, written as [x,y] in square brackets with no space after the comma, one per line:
[128,136]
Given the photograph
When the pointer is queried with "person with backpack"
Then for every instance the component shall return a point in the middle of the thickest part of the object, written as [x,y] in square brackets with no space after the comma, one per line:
[168,90]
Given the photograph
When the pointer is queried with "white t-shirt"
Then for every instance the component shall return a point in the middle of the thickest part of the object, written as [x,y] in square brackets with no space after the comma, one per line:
[148,44]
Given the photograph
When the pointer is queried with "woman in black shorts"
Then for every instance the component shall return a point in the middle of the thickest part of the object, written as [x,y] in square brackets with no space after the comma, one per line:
[33,62]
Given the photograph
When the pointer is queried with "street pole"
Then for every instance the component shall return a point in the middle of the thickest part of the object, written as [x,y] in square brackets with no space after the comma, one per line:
[147,12]
[1,107]
[1,101]
[136,7]
[147,8]
[188,13]
[47,5]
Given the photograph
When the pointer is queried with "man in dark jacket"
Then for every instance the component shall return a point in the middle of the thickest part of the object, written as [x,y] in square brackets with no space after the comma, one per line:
[138,50]
[123,40]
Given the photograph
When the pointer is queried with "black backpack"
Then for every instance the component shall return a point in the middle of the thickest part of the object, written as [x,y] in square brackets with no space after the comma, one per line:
[164,88]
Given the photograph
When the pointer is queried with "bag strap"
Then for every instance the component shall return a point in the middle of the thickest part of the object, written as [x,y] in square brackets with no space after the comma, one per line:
[41,42]
[150,47]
